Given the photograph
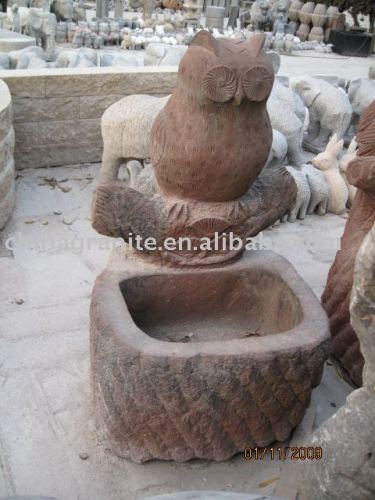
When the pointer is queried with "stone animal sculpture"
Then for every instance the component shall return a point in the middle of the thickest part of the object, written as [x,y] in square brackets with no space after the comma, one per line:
[222,87]
[300,207]
[240,91]
[361,93]
[160,54]
[29,57]
[350,432]
[67,10]
[330,111]
[42,26]
[83,57]
[24,13]
[361,174]
[328,162]
[319,190]
[288,115]
[279,150]
[126,128]
[344,162]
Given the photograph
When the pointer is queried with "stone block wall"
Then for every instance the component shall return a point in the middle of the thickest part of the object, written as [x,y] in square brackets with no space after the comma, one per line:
[7,183]
[57,112]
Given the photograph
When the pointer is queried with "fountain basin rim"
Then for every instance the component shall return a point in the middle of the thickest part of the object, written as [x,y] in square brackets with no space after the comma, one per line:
[109,308]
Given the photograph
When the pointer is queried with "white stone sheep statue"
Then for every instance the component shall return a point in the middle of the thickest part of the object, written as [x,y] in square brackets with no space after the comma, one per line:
[328,163]
[126,129]
[319,190]
[299,210]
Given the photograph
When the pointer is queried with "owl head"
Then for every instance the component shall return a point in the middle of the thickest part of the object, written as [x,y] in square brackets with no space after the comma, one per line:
[226,71]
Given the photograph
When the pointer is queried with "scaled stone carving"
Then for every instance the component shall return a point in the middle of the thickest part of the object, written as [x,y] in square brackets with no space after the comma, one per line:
[329,109]
[336,296]
[347,469]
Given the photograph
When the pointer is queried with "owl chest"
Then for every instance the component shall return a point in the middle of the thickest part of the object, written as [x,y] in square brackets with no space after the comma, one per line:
[208,135]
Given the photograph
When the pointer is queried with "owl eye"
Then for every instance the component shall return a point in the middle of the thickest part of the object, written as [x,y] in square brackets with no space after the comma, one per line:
[219,84]
[257,83]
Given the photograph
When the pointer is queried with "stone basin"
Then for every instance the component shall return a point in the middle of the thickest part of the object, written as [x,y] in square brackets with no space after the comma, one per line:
[201,364]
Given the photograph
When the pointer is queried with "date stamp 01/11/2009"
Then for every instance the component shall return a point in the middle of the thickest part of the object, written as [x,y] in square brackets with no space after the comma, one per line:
[284,453]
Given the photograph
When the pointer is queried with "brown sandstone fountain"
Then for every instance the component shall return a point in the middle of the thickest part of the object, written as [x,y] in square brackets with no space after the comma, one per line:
[200,352]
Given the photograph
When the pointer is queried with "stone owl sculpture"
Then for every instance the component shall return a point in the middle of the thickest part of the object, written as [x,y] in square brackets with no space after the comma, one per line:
[209,143]
[199,147]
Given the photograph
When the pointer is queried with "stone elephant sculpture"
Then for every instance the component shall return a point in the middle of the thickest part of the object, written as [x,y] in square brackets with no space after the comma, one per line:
[330,111]
[288,116]
[42,26]
[126,130]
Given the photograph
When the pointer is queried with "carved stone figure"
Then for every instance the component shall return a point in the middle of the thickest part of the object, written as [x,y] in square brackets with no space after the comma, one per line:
[329,109]
[159,54]
[260,15]
[328,162]
[288,114]
[249,87]
[16,22]
[67,10]
[319,189]
[347,158]
[361,93]
[42,26]
[126,130]
[29,57]
[299,209]
[279,150]
[158,355]
[350,432]
[196,99]
[335,299]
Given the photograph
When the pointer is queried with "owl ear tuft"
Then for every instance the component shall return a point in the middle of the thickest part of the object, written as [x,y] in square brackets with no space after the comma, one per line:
[204,39]
[256,43]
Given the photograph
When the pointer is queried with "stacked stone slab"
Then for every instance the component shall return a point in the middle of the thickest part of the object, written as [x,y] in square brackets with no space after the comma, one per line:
[7,187]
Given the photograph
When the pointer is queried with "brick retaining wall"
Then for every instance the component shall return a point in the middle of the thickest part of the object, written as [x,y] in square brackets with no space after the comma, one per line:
[57,112]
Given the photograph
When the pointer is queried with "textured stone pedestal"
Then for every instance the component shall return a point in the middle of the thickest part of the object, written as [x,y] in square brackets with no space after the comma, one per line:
[201,364]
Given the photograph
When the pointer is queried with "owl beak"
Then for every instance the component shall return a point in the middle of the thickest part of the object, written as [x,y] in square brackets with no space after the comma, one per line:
[237,99]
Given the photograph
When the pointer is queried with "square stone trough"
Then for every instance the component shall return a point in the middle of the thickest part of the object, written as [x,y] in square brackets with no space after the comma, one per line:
[203,363]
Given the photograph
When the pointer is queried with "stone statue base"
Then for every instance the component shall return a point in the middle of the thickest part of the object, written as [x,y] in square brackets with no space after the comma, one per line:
[203,363]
